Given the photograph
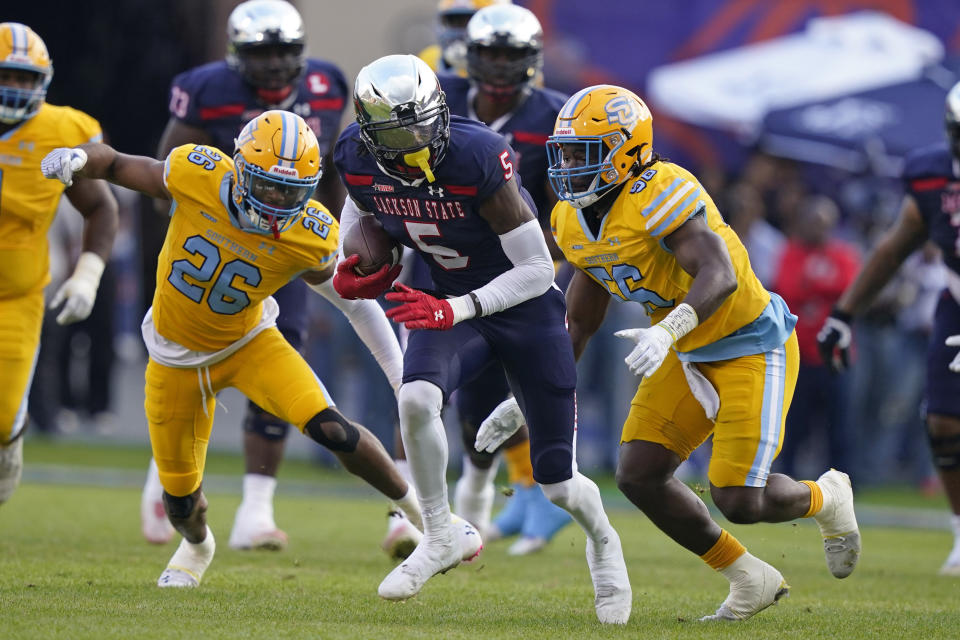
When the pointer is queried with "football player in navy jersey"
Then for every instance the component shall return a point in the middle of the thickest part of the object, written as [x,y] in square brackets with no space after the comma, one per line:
[447,188]
[504,60]
[266,68]
[930,211]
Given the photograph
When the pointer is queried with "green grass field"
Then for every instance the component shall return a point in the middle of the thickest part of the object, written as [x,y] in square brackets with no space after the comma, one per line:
[73,565]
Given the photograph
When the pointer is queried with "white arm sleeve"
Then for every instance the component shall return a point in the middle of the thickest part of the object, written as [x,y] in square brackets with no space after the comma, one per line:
[349,215]
[371,324]
[531,275]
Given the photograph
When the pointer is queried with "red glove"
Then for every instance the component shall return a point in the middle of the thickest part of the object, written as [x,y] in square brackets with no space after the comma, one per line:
[421,311]
[350,285]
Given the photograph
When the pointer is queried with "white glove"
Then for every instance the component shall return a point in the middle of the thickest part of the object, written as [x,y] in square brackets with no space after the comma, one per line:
[61,164]
[504,421]
[653,345]
[954,341]
[80,289]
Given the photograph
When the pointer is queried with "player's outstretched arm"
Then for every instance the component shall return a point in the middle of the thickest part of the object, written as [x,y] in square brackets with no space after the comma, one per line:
[909,232]
[905,237]
[95,160]
[368,320]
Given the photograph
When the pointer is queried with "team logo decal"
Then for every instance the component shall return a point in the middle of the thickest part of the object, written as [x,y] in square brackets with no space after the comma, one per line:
[621,110]
[436,192]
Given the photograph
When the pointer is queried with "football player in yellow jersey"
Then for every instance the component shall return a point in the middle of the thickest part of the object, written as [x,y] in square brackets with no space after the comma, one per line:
[721,356]
[29,128]
[239,230]
[449,54]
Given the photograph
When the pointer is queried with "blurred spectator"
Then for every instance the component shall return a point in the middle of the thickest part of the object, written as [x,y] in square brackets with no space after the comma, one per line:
[813,271]
[744,209]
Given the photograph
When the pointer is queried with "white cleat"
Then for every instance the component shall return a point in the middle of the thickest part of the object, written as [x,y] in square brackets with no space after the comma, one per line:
[426,561]
[471,543]
[188,563]
[838,523]
[526,545]
[254,528]
[751,591]
[154,523]
[402,537]
[952,566]
[474,507]
[11,468]
[613,597]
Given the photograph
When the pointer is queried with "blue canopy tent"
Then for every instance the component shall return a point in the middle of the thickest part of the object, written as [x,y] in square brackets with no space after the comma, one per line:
[864,132]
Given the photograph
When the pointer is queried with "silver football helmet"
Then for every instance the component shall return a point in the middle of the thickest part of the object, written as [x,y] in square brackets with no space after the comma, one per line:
[256,26]
[504,49]
[953,119]
[403,116]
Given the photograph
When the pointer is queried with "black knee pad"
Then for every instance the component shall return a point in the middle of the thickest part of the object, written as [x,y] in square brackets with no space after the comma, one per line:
[180,508]
[945,451]
[553,463]
[333,431]
[264,424]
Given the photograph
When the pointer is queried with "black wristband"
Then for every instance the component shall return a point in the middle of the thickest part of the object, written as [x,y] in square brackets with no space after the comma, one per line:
[842,316]
[477,309]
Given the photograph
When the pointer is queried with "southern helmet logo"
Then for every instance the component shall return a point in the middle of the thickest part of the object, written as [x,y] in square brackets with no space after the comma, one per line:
[284,171]
[437,192]
[620,110]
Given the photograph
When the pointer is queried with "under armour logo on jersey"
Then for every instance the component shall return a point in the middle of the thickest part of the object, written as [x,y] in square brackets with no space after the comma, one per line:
[438,315]
[435,191]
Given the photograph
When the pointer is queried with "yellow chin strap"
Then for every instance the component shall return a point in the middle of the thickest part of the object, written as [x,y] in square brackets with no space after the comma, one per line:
[420,158]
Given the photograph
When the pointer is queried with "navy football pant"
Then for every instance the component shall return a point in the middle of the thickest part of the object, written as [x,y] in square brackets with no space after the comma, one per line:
[531,344]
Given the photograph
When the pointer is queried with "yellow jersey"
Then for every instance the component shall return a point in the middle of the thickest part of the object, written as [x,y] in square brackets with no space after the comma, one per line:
[212,277]
[28,201]
[627,257]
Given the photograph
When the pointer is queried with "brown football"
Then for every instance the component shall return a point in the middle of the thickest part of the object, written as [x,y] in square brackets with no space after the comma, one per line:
[375,247]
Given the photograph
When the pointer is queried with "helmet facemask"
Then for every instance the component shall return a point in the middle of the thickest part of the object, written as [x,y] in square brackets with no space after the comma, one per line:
[22,91]
[271,200]
[266,45]
[502,71]
[581,168]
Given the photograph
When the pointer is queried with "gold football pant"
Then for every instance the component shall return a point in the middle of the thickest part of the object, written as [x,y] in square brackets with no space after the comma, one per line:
[21,319]
[180,402]
[755,393]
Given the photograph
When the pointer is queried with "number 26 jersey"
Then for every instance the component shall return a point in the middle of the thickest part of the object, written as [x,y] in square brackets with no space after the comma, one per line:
[213,277]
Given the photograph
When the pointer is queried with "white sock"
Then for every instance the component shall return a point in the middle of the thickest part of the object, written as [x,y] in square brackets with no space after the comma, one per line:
[425,442]
[580,497]
[404,468]
[258,490]
[955,523]
[411,506]
[194,557]
[475,478]
[152,487]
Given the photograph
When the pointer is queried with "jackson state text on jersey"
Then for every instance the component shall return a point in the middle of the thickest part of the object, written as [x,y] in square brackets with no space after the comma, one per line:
[212,276]
[215,98]
[526,128]
[439,219]
[933,182]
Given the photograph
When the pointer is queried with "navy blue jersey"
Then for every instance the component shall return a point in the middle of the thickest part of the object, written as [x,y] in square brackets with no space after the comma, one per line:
[526,128]
[215,98]
[439,220]
[932,179]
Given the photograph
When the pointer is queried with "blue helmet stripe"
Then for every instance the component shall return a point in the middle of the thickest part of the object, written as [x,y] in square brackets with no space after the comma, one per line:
[571,107]
[19,38]
[283,137]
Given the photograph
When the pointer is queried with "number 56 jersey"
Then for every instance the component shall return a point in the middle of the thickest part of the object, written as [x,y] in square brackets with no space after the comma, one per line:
[627,256]
[213,277]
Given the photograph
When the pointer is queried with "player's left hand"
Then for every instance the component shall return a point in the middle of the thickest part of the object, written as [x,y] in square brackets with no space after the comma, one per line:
[954,341]
[504,421]
[62,163]
[652,347]
[420,311]
[80,289]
